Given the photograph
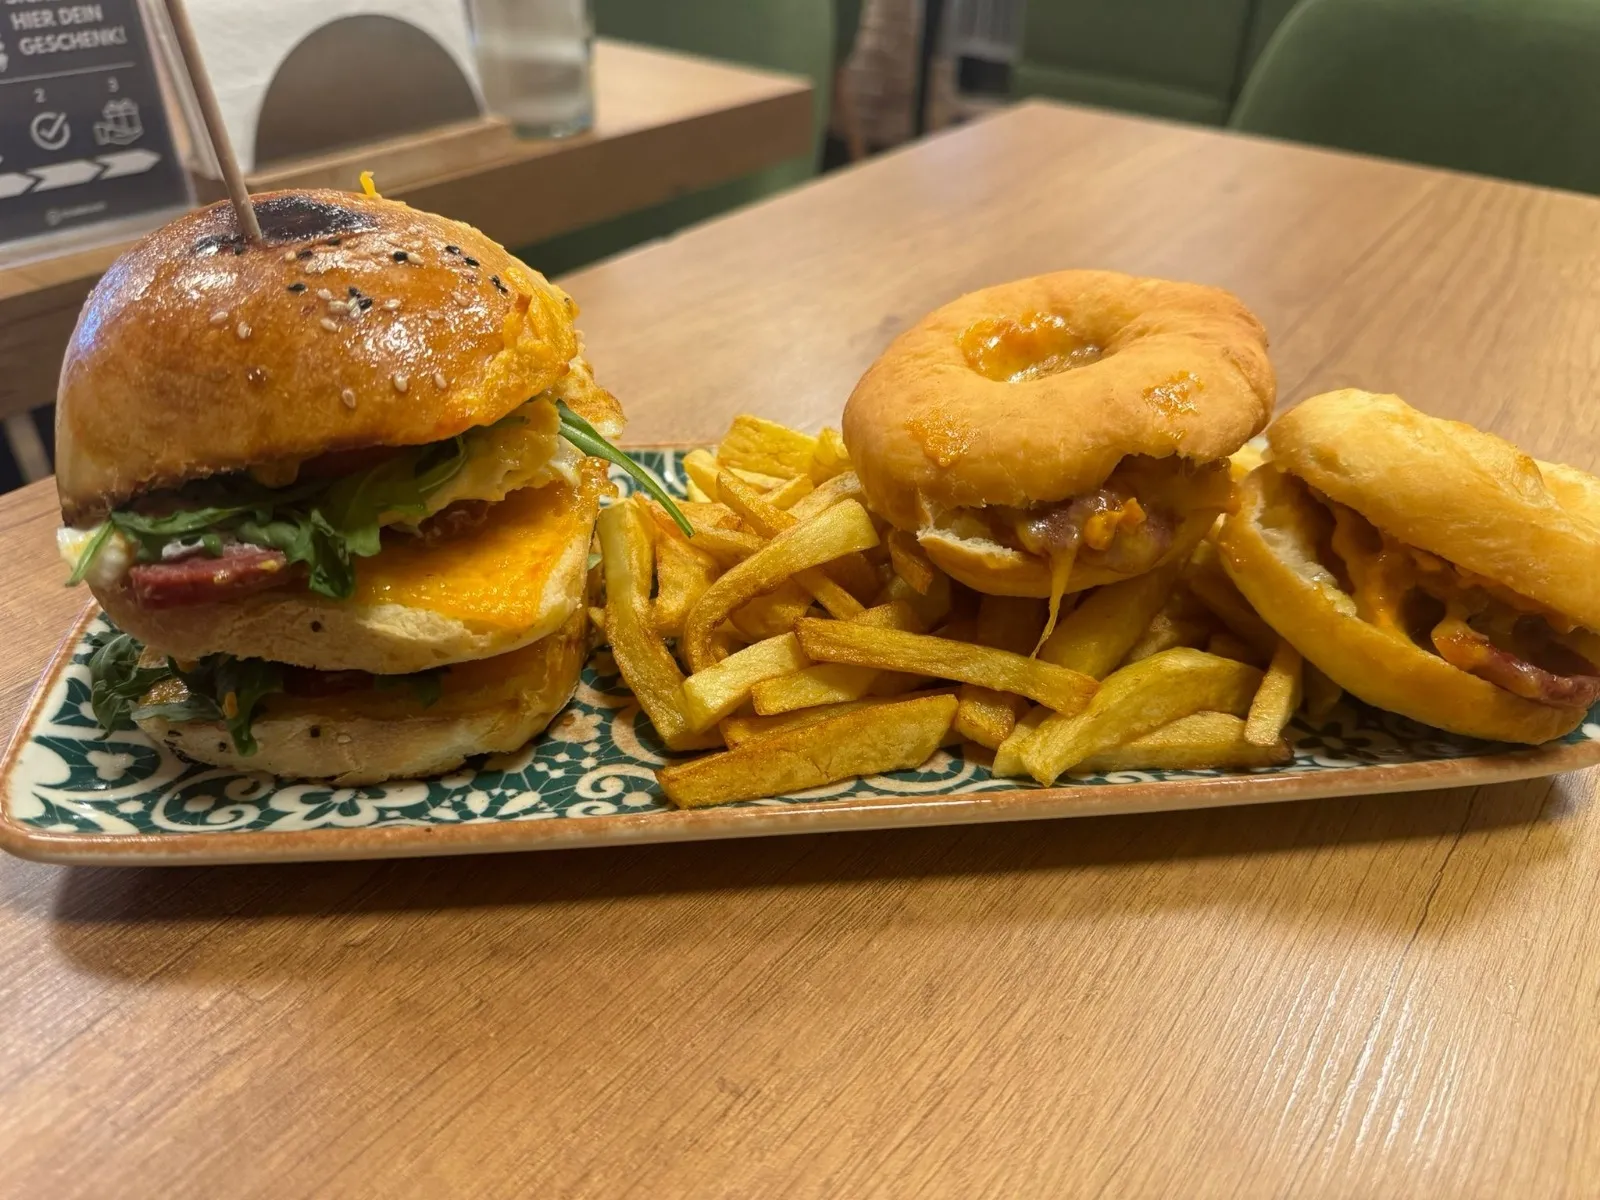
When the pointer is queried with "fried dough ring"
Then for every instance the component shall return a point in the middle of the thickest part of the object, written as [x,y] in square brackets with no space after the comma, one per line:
[1031,392]
[1269,548]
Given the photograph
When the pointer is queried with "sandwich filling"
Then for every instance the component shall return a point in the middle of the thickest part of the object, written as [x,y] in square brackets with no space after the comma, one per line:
[305,523]
[1473,623]
[1125,526]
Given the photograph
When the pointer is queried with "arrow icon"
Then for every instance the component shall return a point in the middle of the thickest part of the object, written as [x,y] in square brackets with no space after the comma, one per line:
[66,174]
[128,162]
[76,171]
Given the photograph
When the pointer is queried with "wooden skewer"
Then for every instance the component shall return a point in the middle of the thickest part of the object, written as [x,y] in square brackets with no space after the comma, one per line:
[189,47]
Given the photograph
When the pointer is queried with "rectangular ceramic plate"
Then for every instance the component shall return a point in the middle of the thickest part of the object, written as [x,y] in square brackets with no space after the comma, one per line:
[70,794]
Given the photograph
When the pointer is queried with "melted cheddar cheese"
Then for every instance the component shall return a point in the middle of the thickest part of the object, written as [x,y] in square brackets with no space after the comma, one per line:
[494,576]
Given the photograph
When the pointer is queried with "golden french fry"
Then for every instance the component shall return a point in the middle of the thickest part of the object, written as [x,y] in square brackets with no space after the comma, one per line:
[894,736]
[1131,702]
[894,683]
[701,468]
[727,547]
[840,487]
[597,618]
[683,573]
[830,458]
[767,448]
[712,694]
[1276,698]
[911,562]
[1109,622]
[1322,693]
[986,716]
[713,515]
[844,528]
[772,614]
[768,522]
[1225,645]
[814,687]
[834,683]
[1200,741]
[695,493]
[1013,623]
[718,532]
[786,494]
[1182,621]
[1008,755]
[647,666]
[737,731]
[943,658]
[1209,581]
[758,480]
[932,607]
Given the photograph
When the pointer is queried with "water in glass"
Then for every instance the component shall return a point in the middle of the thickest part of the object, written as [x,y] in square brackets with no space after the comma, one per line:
[534,59]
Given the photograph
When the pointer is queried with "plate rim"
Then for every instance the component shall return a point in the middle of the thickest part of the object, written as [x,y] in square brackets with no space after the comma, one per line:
[678,825]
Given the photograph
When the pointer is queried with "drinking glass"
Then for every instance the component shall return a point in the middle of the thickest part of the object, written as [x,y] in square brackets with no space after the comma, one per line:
[535,58]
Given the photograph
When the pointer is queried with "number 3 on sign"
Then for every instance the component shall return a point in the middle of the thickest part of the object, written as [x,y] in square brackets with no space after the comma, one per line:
[112,85]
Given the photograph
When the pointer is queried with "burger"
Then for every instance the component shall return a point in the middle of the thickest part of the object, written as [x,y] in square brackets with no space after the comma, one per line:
[335,489]
[1062,432]
[1427,567]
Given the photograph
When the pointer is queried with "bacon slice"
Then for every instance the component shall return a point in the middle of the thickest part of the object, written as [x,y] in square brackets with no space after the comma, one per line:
[201,579]
[1464,647]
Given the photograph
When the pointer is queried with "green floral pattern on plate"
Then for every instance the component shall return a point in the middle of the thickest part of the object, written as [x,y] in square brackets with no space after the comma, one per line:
[596,759]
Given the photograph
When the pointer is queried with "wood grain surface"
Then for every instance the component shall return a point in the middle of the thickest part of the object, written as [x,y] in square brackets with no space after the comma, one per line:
[1366,996]
[665,124]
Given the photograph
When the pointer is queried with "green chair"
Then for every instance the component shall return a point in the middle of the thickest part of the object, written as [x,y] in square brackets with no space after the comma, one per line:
[1166,58]
[1499,87]
[786,35]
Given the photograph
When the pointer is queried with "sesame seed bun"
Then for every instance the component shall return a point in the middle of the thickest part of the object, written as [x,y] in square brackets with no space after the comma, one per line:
[360,322]
[512,581]
[374,734]
[1453,490]
[1033,391]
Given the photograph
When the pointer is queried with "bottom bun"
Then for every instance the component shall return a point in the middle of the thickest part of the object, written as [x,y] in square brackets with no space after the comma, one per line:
[996,570]
[1270,550]
[491,705]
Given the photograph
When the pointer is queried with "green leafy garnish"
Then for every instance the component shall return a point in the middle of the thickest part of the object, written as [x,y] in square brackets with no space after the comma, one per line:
[90,553]
[220,688]
[223,689]
[588,439]
[116,680]
[327,524]
[324,523]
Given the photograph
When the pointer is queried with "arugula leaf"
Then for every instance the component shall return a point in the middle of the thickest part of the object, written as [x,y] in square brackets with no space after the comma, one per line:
[90,553]
[116,680]
[323,523]
[588,439]
[223,689]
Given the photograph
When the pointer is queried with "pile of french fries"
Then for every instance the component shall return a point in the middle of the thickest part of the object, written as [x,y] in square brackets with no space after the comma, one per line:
[803,641]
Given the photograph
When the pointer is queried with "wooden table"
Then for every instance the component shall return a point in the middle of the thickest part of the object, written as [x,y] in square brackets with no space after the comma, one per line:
[665,124]
[1356,997]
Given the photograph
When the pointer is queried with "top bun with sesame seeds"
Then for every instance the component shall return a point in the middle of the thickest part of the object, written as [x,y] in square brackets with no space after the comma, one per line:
[359,322]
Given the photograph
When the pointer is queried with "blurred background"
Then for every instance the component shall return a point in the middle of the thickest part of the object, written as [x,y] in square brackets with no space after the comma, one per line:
[574,130]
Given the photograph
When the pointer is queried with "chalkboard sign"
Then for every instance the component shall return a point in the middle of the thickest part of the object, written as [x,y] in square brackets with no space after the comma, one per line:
[83,134]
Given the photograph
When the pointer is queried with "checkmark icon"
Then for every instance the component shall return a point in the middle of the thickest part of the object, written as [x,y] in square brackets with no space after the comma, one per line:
[50,130]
